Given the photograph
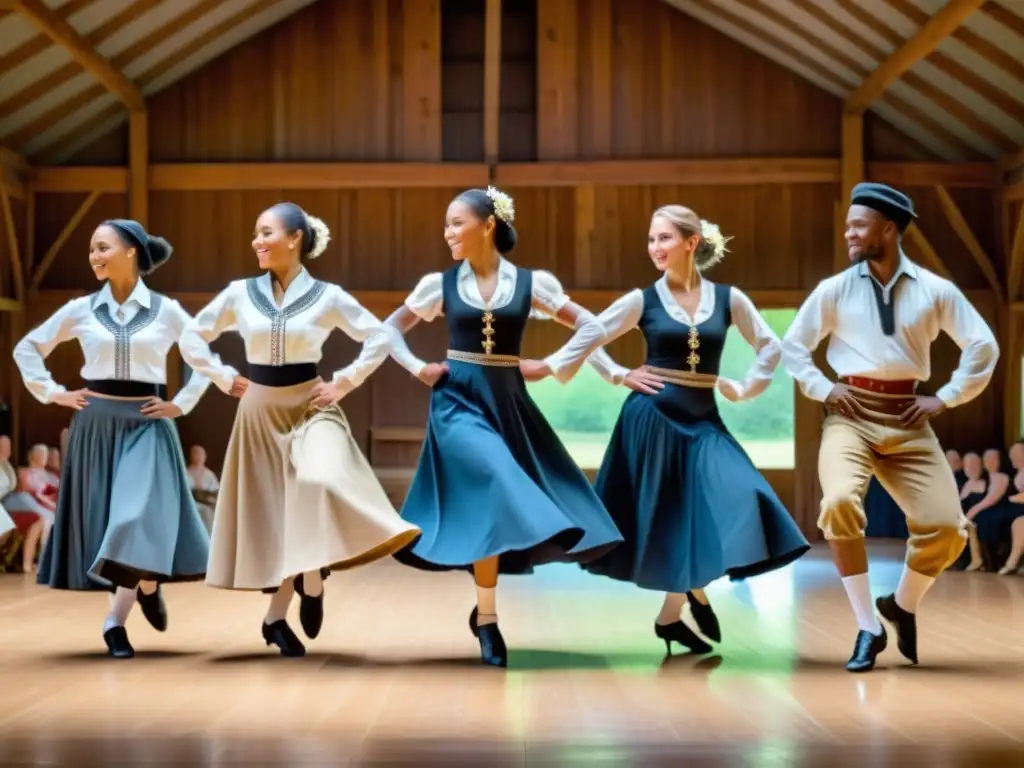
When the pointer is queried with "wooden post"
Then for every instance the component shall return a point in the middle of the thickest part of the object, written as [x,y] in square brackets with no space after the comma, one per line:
[492,82]
[138,167]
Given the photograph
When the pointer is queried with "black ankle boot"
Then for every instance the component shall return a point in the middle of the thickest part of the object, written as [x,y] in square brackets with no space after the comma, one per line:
[281,635]
[492,645]
[677,631]
[865,650]
[311,609]
[905,624]
[704,615]
[118,646]
[153,608]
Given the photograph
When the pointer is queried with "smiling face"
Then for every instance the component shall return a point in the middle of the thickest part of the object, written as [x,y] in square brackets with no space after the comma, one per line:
[275,248]
[973,466]
[465,232]
[109,256]
[668,247]
[867,233]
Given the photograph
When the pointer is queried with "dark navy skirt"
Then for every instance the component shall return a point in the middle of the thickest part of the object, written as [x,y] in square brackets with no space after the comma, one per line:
[687,498]
[494,479]
[124,508]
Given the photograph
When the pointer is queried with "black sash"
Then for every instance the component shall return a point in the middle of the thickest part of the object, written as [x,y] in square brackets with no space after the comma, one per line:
[127,388]
[282,375]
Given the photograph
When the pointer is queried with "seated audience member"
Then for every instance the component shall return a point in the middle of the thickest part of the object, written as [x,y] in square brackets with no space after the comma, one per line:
[53,466]
[32,505]
[8,482]
[204,485]
[1001,529]
[973,491]
[957,465]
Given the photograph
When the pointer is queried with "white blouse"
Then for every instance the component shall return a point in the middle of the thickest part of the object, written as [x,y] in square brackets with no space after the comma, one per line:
[292,330]
[127,341]
[624,314]
[548,298]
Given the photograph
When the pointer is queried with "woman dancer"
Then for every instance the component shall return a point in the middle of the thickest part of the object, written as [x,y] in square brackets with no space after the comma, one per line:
[495,490]
[125,517]
[297,497]
[688,499]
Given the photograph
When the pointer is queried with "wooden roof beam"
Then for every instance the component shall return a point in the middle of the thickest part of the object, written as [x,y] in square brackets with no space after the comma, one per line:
[939,27]
[57,29]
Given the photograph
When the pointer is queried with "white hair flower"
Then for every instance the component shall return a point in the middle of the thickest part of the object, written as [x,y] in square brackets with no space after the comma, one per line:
[321,236]
[503,207]
[712,245]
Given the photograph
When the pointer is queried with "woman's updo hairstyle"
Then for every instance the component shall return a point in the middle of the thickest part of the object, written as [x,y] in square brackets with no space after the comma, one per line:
[150,251]
[315,234]
[711,248]
[492,202]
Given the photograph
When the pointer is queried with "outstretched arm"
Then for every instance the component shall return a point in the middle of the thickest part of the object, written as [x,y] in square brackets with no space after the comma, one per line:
[189,395]
[424,303]
[813,322]
[215,318]
[979,349]
[361,325]
[31,351]
[759,335]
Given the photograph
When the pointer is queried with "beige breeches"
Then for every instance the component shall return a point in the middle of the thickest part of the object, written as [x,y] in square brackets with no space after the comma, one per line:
[911,466]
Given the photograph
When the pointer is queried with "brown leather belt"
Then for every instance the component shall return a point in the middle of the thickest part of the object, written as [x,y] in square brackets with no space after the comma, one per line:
[906,387]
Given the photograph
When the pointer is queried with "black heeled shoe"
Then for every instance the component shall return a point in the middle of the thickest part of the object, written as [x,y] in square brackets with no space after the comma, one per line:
[118,646]
[153,608]
[281,635]
[905,624]
[678,631]
[865,650]
[707,620]
[492,645]
[311,609]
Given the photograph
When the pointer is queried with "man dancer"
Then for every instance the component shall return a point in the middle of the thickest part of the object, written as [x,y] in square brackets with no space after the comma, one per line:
[882,315]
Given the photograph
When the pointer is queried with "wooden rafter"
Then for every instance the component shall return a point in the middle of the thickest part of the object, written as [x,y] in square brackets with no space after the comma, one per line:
[931,256]
[963,231]
[850,174]
[13,245]
[1016,259]
[57,29]
[51,254]
[132,54]
[492,81]
[927,39]
[138,167]
[1011,161]
[13,160]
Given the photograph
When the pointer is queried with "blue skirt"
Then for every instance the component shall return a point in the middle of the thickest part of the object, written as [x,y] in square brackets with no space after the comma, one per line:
[494,480]
[124,508]
[689,501]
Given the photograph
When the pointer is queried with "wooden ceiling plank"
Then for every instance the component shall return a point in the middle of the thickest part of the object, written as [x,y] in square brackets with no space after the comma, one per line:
[938,28]
[963,230]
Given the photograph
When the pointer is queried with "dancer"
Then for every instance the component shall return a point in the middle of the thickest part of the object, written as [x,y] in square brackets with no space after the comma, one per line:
[692,506]
[297,497]
[495,490]
[882,314]
[125,517]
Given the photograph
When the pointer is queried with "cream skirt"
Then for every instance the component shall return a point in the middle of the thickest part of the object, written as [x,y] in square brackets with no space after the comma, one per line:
[297,495]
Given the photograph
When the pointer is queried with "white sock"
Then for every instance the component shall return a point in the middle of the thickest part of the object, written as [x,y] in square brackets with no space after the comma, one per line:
[312,584]
[858,590]
[672,608]
[147,587]
[280,601]
[486,605]
[912,588]
[121,604]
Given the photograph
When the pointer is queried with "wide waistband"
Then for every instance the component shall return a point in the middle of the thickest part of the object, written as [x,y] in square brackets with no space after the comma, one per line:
[685,378]
[878,407]
[282,375]
[478,358]
[902,387]
[126,388]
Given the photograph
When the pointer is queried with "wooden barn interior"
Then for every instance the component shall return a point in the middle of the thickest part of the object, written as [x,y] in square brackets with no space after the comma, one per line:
[192,116]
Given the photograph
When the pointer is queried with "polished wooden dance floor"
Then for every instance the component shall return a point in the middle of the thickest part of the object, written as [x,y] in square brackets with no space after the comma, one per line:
[393,678]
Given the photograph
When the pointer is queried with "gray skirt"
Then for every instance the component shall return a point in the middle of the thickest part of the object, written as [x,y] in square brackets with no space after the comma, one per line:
[124,509]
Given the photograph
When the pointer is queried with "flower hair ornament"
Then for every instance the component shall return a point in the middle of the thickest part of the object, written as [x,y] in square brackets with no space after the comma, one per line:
[503,207]
[712,245]
[321,236]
